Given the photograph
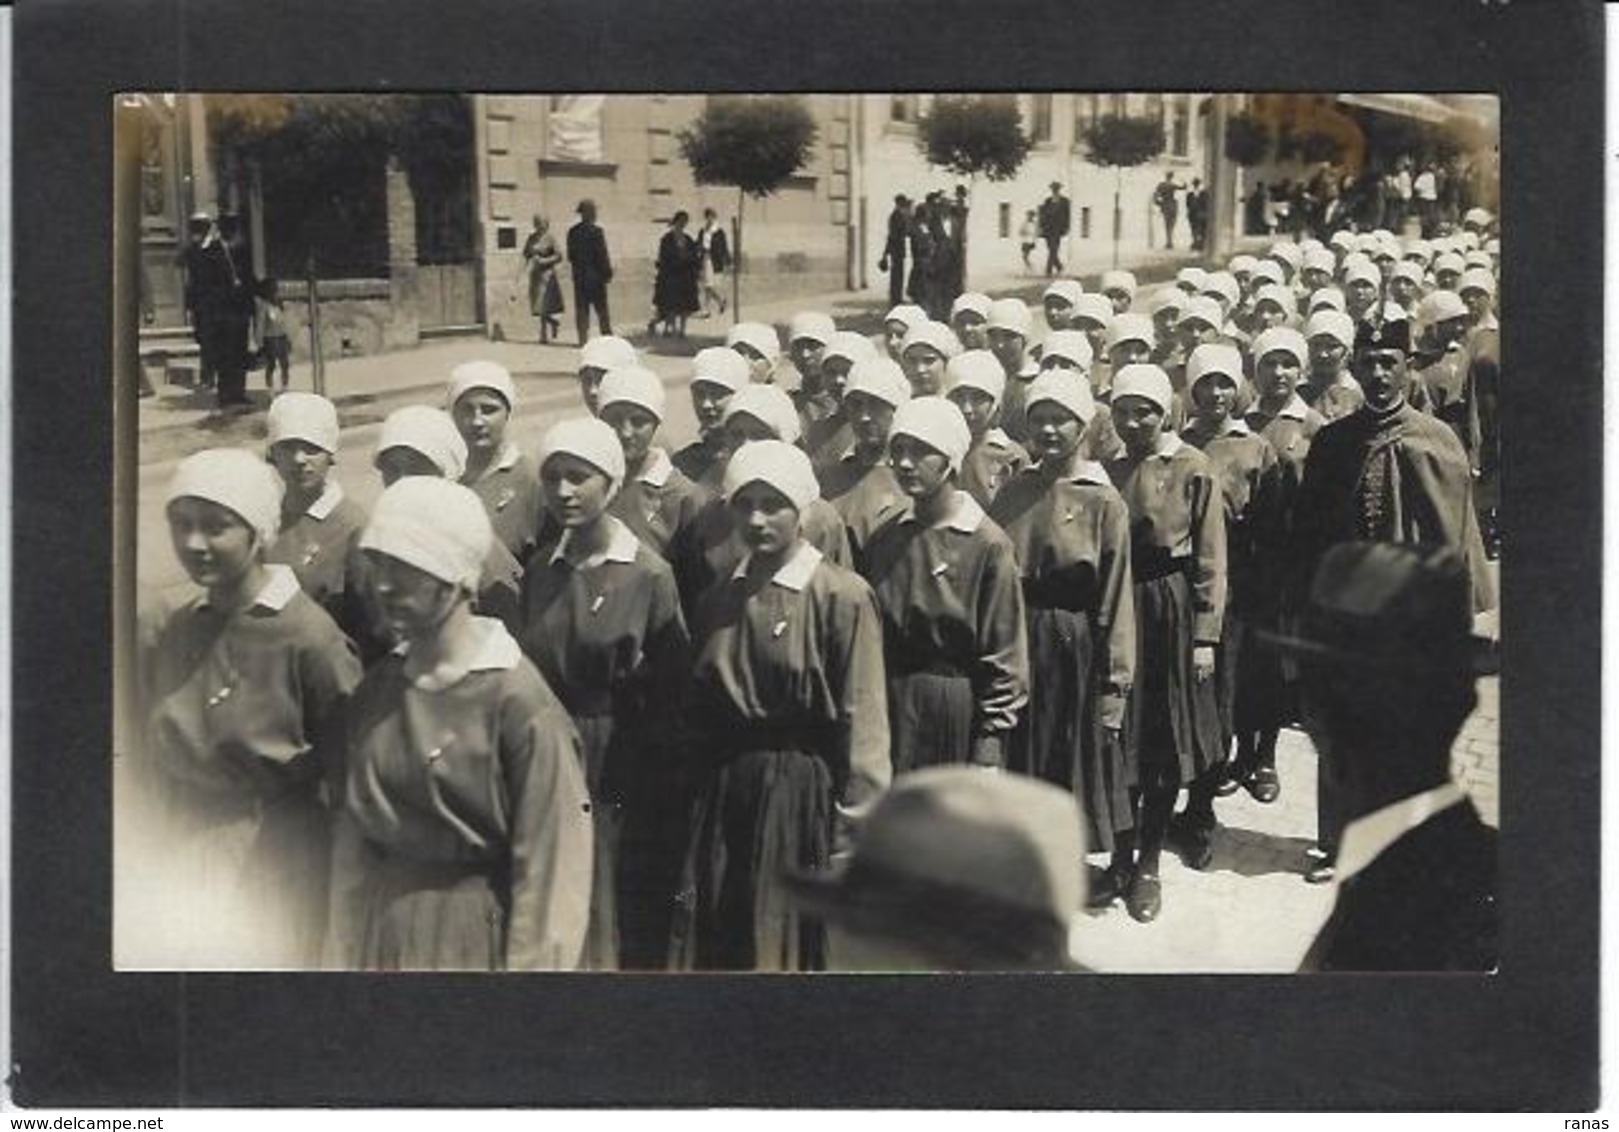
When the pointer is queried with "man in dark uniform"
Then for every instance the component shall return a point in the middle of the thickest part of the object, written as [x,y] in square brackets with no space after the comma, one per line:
[1056,219]
[592,271]
[1197,212]
[1385,473]
[219,299]
[893,259]
[1388,666]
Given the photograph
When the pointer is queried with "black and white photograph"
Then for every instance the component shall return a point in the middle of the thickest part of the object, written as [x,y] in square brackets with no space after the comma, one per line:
[1042,531]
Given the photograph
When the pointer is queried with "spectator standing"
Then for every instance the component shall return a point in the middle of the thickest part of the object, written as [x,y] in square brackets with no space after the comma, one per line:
[1056,218]
[715,257]
[541,257]
[1167,197]
[1197,212]
[893,260]
[592,271]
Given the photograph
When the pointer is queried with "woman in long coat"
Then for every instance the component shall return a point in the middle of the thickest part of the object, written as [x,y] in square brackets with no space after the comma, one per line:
[789,726]
[674,290]
[602,623]
[464,841]
[541,257]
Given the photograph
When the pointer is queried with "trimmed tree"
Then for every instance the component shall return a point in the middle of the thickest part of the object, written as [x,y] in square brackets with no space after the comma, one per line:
[754,142]
[974,136]
[1120,142]
[1247,140]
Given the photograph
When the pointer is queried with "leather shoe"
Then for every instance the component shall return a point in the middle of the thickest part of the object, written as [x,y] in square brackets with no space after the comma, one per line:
[1320,873]
[1111,884]
[1229,783]
[1145,899]
[1264,785]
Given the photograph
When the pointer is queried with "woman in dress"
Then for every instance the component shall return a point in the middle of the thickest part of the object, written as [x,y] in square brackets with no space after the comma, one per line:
[976,382]
[717,373]
[602,623]
[541,257]
[789,725]
[244,689]
[464,841]
[674,292]
[947,584]
[653,497]
[481,398]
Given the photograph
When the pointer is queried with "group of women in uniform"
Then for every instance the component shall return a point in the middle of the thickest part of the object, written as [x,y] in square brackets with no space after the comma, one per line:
[586,709]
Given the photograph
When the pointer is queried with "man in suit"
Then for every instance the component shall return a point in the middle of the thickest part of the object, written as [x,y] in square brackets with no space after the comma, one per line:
[1056,219]
[592,271]
[219,299]
[893,259]
[1387,666]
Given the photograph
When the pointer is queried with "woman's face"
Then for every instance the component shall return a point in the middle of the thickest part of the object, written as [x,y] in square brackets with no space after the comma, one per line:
[576,491]
[1403,289]
[1130,353]
[1277,375]
[1214,396]
[481,416]
[976,406]
[1139,423]
[1269,314]
[1054,432]
[1057,312]
[1120,300]
[894,333]
[969,327]
[1008,347]
[834,376]
[744,428]
[759,366]
[708,401]
[395,463]
[766,518]
[303,466]
[919,468]
[213,543]
[925,367]
[806,355]
[869,417]
[590,384]
[1362,293]
[635,427]
[1478,303]
[411,602]
[1164,323]
[1327,355]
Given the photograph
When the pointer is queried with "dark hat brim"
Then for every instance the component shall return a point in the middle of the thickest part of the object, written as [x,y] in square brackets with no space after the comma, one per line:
[1480,656]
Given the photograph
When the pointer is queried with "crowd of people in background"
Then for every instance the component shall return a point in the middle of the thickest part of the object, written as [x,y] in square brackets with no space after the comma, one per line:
[618,701]
[1436,195]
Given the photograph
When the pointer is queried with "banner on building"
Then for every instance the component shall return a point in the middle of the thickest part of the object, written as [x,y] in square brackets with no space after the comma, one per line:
[576,128]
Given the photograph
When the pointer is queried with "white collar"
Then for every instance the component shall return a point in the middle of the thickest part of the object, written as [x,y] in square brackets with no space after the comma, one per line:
[656,468]
[1295,410]
[1086,471]
[280,587]
[497,652]
[794,573]
[507,460]
[1168,445]
[330,497]
[622,545]
[994,434]
[1232,426]
[1367,837]
[966,516]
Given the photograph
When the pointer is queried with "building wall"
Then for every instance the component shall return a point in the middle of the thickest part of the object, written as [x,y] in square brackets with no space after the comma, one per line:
[892,164]
[795,242]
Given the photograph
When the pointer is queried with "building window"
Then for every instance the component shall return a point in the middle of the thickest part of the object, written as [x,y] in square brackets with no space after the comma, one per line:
[1153,107]
[1084,222]
[1117,106]
[1087,109]
[1180,124]
[1006,220]
[904,109]
[1040,118]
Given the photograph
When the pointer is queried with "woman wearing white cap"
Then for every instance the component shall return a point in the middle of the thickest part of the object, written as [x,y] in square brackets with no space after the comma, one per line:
[861,486]
[829,437]
[480,399]
[653,497]
[969,317]
[717,373]
[244,689]
[976,382]
[947,584]
[1058,302]
[1246,468]
[755,412]
[789,725]
[319,526]
[1009,328]
[596,357]
[808,335]
[1178,568]
[760,345]
[1120,288]
[1071,534]
[924,354]
[465,837]
[1444,369]
[897,324]
[1329,388]
[602,623]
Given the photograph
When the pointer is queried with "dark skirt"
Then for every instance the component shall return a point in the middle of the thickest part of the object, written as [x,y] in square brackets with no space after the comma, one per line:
[430,916]
[1172,722]
[1059,738]
[607,824]
[760,813]
[930,719]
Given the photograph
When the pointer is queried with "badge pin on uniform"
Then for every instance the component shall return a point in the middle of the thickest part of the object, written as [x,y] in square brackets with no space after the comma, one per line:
[446,741]
[312,553]
[596,606]
[779,628]
[504,498]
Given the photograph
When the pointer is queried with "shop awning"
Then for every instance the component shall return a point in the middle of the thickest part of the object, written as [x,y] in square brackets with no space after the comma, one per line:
[1422,107]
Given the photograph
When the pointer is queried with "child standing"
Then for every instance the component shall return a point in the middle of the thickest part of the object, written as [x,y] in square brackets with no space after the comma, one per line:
[270,327]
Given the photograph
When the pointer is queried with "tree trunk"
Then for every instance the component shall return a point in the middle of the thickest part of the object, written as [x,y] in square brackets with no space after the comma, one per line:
[1118,213]
[736,260]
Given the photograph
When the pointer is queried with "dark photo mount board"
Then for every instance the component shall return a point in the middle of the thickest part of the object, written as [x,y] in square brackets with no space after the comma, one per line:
[1525,1038]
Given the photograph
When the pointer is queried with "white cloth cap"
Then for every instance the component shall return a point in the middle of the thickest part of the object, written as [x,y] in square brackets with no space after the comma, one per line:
[1212,358]
[1280,295]
[303,416]
[1288,253]
[1266,271]
[592,441]
[1224,286]
[1066,388]
[721,365]
[1071,345]
[1064,290]
[757,335]
[1010,314]
[1450,261]
[492,376]
[1477,278]
[975,301]
[1481,259]
[1118,280]
[1440,306]
[429,431]
[935,334]
[1135,328]
[1342,238]
[1167,299]
[1478,216]
[1330,298]
[937,423]
[814,325]
[1335,324]
[1145,381]
[1193,277]
[777,463]
[237,480]
[769,405]
[907,314]
[1241,263]
[1408,269]
[607,352]
[849,346]
[1362,271]
[1201,308]
[1096,308]
[635,386]
[437,526]
[976,369]
[1285,339]
[1418,249]
[881,378]
[1319,259]
[1492,247]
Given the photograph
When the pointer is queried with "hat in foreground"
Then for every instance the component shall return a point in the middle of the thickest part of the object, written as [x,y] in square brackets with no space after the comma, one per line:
[969,869]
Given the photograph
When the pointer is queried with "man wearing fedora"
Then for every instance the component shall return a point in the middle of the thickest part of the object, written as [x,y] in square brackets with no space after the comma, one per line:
[955,869]
[1387,666]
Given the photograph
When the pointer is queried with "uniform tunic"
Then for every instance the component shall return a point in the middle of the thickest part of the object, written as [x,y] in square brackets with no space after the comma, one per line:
[660,505]
[319,545]
[1014,409]
[510,490]
[716,546]
[1071,537]
[1334,400]
[465,838]
[607,635]
[698,459]
[244,719]
[827,440]
[993,459]
[954,641]
[865,495]
[1178,567]
[789,718]
[1447,380]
